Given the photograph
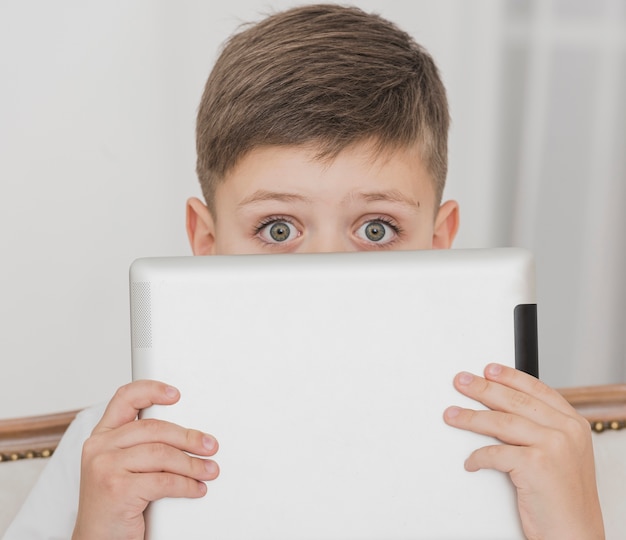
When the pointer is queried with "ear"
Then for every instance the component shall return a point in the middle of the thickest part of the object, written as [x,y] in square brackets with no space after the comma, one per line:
[200,228]
[446,225]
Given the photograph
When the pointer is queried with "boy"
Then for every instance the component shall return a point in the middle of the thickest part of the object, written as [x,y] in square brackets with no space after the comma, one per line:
[321,128]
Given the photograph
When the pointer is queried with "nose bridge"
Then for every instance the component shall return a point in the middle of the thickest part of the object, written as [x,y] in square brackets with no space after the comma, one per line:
[327,239]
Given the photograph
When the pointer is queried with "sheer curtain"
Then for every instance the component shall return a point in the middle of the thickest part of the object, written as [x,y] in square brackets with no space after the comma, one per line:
[561,175]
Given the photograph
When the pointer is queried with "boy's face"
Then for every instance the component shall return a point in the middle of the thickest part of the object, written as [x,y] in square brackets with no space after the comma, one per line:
[281,199]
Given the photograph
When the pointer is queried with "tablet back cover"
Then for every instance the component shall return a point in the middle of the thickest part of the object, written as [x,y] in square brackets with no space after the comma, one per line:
[324,378]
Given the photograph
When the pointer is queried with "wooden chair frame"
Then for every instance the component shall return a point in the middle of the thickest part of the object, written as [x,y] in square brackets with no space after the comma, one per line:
[603,405]
[33,436]
[38,436]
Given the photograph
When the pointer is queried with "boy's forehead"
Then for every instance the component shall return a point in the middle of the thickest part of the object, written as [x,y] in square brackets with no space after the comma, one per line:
[363,162]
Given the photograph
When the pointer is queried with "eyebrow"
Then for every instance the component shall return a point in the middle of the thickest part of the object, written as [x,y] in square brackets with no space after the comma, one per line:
[392,195]
[262,195]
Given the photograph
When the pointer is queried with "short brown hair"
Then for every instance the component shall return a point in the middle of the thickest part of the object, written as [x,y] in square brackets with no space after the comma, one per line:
[323,74]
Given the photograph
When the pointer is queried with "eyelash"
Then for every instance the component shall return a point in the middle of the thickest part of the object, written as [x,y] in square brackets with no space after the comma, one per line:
[268,220]
[387,221]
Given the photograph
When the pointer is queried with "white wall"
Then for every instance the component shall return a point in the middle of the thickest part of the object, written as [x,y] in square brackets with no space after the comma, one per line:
[97,156]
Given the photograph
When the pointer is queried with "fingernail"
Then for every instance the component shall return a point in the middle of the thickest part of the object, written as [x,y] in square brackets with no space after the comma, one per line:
[210,467]
[170,391]
[452,412]
[494,369]
[208,442]
[465,378]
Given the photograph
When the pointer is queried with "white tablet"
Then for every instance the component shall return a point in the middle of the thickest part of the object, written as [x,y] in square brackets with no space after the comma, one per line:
[324,378]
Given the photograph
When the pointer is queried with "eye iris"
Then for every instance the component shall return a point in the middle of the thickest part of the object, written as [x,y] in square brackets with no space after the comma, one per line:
[279,231]
[375,231]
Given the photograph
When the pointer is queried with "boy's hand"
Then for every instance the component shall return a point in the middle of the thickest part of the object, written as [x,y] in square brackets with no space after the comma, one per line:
[127,463]
[547,451]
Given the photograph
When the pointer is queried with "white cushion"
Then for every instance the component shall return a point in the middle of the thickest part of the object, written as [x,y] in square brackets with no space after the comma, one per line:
[16,480]
[610,454]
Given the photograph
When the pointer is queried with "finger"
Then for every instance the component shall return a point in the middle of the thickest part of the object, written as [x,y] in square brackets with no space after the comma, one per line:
[513,460]
[528,384]
[499,457]
[154,486]
[150,430]
[506,427]
[158,457]
[131,398]
[500,397]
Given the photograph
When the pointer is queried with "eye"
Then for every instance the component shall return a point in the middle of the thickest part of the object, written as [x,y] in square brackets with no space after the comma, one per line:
[277,232]
[377,231]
